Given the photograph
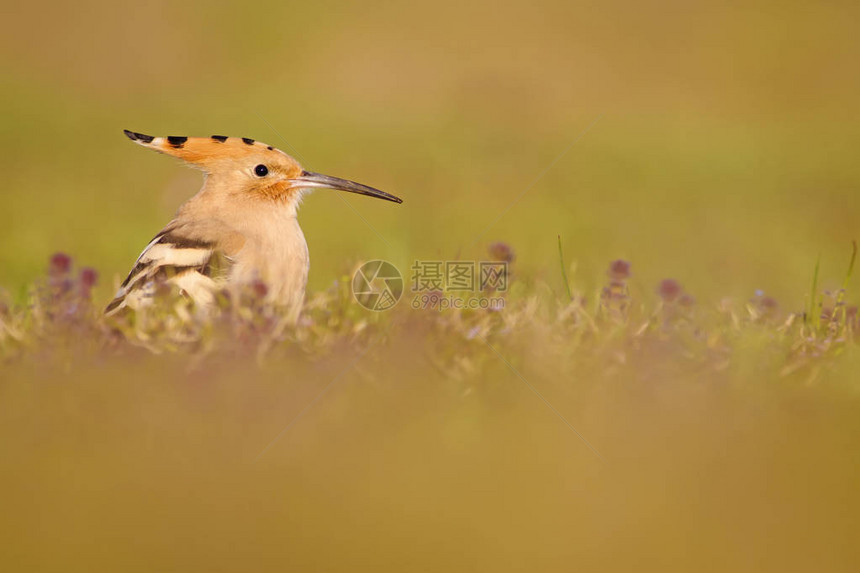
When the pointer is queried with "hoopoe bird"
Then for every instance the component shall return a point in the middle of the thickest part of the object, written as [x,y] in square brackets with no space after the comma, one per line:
[239,229]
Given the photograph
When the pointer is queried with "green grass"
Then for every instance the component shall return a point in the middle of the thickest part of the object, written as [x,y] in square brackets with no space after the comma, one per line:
[60,307]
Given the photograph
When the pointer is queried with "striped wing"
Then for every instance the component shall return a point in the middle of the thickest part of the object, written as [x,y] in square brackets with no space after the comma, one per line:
[174,258]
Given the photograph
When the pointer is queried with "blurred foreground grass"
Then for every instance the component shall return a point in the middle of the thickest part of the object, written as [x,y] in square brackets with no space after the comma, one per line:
[602,431]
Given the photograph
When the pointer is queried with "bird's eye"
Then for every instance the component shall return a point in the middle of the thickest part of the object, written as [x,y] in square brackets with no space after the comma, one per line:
[261,170]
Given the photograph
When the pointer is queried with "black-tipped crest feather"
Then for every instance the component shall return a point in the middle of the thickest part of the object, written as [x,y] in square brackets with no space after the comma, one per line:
[134,136]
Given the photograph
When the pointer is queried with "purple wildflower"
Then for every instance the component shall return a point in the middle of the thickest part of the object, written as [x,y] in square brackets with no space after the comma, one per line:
[500,251]
[619,270]
[669,290]
[61,264]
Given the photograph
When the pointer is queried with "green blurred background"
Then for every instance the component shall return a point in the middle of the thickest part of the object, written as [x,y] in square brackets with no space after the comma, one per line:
[724,154]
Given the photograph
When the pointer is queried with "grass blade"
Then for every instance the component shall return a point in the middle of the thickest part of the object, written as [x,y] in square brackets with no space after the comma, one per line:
[812,313]
[564,270]
[850,266]
[840,306]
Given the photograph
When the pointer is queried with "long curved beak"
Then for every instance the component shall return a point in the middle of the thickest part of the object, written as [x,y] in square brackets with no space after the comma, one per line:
[309,179]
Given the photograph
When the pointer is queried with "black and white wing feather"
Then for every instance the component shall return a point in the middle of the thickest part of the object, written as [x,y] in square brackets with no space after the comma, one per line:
[174,258]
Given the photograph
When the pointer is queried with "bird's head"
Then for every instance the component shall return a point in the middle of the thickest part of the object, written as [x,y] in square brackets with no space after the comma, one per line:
[251,169]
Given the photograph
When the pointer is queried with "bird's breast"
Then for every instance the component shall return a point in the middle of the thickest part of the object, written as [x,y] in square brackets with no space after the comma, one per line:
[275,253]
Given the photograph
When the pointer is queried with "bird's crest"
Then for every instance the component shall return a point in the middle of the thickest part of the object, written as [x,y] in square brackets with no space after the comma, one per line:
[203,151]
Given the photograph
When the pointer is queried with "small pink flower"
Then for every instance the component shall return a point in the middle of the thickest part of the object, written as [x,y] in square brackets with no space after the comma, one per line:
[89,277]
[61,264]
[619,270]
[259,288]
[669,290]
[502,252]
